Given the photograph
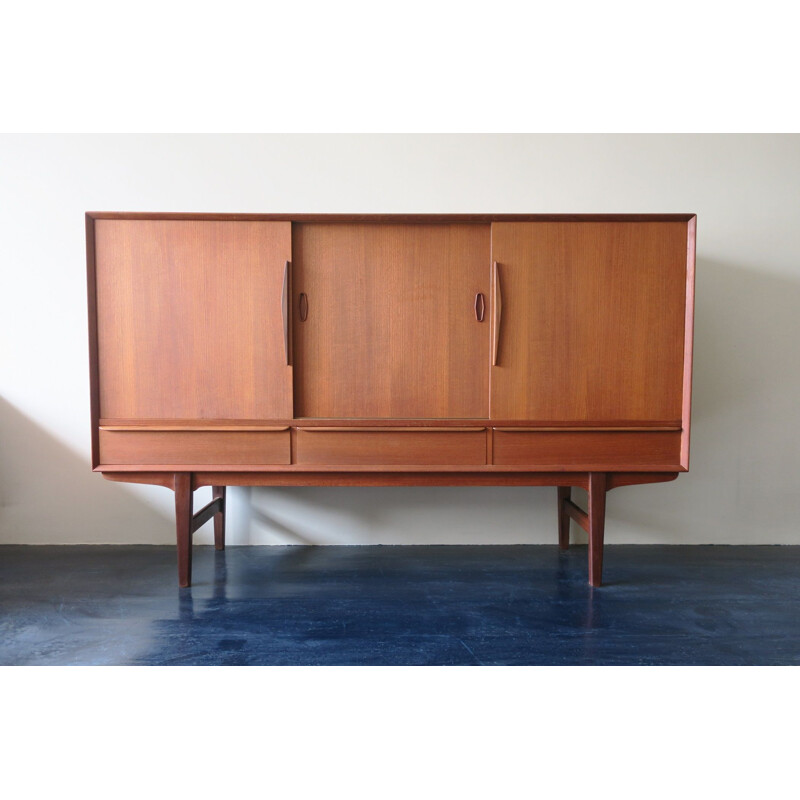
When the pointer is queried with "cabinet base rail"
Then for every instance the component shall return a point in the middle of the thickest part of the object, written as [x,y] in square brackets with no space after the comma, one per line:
[592,521]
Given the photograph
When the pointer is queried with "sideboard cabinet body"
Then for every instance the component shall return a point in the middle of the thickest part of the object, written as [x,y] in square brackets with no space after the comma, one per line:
[390,350]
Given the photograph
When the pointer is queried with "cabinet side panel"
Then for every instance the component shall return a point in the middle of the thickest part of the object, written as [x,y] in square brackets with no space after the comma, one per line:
[189,319]
[593,321]
[91,305]
[691,245]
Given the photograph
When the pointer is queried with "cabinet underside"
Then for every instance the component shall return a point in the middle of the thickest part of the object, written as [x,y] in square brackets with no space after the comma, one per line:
[385,478]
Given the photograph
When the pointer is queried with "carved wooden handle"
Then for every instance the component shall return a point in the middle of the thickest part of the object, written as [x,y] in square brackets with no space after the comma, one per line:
[303,304]
[285,309]
[497,310]
[480,306]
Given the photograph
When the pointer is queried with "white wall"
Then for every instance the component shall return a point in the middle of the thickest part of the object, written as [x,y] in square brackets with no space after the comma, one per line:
[742,487]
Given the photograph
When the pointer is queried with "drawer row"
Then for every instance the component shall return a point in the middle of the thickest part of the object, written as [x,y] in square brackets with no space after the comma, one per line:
[391,447]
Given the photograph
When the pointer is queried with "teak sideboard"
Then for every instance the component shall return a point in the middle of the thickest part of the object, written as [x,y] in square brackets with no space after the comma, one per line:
[390,350]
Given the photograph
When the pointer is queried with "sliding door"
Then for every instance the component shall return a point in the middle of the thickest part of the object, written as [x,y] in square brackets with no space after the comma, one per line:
[391,320]
[190,323]
[590,321]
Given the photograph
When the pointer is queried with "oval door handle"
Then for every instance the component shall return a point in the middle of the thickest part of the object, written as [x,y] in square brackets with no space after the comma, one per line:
[480,306]
[303,306]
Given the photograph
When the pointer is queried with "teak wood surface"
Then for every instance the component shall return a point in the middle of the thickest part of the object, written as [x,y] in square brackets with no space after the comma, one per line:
[390,350]
[405,477]
[564,449]
[427,219]
[194,447]
[375,447]
[188,318]
[391,329]
[593,318]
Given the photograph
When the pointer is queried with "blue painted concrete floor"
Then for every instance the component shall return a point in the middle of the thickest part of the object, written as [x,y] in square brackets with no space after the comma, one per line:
[399,605]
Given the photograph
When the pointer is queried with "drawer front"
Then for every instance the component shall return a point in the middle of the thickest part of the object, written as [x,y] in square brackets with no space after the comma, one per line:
[598,449]
[195,447]
[412,447]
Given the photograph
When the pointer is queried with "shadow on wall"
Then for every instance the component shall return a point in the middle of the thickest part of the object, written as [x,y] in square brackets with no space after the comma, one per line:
[401,515]
[745,444]
[48,494]
[747,385]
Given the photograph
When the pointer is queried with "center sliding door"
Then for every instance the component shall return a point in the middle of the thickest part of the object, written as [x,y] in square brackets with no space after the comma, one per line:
[391,320]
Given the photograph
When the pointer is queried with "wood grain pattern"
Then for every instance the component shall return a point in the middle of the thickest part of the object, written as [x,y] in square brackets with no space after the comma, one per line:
[394,429]
[189,319]
[686,408]
[626,450]
[196,428]
[489,469]
[564,494]
[427,219]
[578,514]
[165,479]
[286,300]
[94,361]
[379,448]
[183,524]
[212,509]
[309,422]
[593,320]
[580,428]
[230,477]
[148,448]
[219,493]
[393,333]
[402,478]
[497,311]
[597,523]
[617,479]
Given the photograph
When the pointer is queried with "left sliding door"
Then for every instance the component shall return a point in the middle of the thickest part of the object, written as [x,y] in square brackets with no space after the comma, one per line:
[190,319]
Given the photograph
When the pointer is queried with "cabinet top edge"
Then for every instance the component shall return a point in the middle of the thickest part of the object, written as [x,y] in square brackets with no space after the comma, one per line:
[430,218]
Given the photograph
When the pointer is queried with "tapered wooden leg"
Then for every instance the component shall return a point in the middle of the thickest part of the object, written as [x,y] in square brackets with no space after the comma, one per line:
[183,524]
[219,518]
[597,520]
[564,494]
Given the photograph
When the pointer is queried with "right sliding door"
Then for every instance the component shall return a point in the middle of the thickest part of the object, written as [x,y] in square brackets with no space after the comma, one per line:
[588,322]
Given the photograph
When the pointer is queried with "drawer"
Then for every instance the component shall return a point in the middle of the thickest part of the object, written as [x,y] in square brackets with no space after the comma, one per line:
[224,448]
[393,447]
[587,449]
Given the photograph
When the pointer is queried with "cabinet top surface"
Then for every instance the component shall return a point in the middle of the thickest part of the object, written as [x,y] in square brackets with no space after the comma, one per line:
[430,218]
